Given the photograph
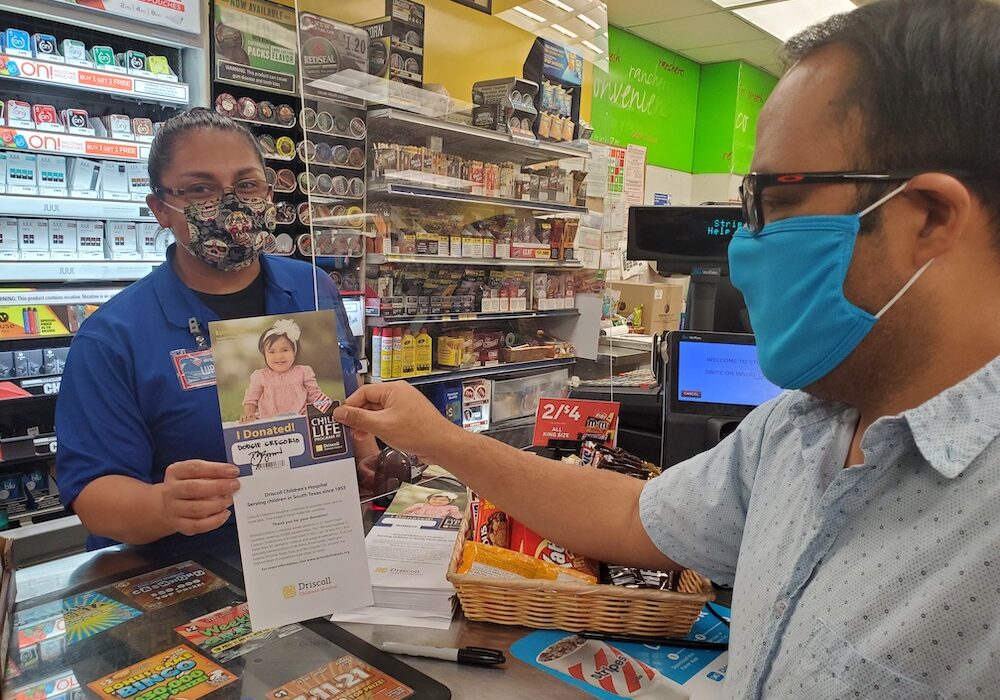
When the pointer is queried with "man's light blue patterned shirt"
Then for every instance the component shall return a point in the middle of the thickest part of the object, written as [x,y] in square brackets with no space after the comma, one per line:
[878,581]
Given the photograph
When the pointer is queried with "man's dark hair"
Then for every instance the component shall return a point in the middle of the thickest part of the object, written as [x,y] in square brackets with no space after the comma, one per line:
[927,85]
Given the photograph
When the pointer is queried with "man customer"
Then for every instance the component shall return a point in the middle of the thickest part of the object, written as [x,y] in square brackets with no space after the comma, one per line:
[857,515]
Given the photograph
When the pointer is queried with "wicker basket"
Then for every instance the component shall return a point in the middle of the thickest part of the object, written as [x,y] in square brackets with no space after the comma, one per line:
[576,607]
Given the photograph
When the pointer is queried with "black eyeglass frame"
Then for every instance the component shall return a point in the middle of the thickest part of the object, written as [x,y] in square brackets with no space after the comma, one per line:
[753,186]
[179,192]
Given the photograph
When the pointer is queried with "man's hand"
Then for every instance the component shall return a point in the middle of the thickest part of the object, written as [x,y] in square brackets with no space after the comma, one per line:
[399,415]
[196,495]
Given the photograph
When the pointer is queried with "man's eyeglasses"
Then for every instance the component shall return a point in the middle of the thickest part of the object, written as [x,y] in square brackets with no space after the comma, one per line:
[206,192]
[754,184]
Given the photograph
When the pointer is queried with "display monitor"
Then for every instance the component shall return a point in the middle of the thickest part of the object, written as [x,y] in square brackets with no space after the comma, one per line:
[694,241]
[716,374]
[680,239]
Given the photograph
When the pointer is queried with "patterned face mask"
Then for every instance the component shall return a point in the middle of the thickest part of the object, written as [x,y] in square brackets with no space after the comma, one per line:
[229,233]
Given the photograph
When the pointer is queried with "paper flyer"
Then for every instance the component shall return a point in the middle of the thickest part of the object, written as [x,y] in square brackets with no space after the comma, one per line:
[175,673]
[226,634]
[347,677]
[89,613]
[298,510]
[169,585]
[611,670]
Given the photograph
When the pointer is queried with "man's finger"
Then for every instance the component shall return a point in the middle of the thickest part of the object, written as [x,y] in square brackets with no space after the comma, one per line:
[368,394]
[358,419]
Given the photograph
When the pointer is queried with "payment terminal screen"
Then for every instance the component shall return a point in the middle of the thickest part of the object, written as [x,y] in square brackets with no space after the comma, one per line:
[723,373]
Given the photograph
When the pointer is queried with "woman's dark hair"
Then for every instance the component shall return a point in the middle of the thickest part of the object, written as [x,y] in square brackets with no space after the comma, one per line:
[926,84]
[177,126]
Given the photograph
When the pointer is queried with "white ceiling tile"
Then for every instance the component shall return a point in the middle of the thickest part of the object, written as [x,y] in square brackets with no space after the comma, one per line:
[712,29]
[628,13]
[757,51]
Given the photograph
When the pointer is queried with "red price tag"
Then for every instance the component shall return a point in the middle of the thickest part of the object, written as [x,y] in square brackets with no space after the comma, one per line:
[573,419]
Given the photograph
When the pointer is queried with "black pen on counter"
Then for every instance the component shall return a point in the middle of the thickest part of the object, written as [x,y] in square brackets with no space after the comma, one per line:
[470,656]
[657,641]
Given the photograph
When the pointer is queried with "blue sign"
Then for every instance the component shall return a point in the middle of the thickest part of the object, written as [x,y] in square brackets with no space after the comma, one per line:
[562,63]
[661,199]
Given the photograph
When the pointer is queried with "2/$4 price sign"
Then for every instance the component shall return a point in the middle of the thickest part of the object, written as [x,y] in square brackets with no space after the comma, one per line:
[562,420]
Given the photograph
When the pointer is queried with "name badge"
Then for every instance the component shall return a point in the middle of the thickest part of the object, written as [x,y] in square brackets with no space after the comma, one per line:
[195,368]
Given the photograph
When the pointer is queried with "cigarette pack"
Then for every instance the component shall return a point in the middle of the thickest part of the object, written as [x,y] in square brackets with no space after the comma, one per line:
[8,239]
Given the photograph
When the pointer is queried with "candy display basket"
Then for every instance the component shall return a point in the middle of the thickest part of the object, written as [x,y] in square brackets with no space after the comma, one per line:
[578,607]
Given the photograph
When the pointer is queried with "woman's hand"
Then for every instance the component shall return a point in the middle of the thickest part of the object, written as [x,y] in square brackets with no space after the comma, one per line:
[249,413]
[196,495]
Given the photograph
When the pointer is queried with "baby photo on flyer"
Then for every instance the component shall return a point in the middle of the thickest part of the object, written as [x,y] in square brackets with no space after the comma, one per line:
[279,379]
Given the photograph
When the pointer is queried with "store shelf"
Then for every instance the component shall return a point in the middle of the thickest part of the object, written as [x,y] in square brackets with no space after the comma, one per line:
[64,144]
[405,74]
[330,164]
[508,368]
[380,259]
[31,70]
[30,514]
[71,271]
[69,208]
[469,141]
[279,159]
[407,48]
[399,189]
[274,125]
[383,321]
[335,135]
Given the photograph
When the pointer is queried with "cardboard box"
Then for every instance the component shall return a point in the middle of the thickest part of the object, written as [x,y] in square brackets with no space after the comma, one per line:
[90,240]
[84,178]
[3,171]
[63,239]
[33,238]
[661,304]
[122,241]
[114,180]
[22,173]
[52,175]
[146,234]
[138,180]
[9,248]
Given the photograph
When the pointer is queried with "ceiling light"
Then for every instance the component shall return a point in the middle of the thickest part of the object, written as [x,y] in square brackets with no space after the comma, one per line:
[787,18]
[734,3]
[602,7]
[561,5]
[528,13]
[562,30]
[589,22]
[592,47]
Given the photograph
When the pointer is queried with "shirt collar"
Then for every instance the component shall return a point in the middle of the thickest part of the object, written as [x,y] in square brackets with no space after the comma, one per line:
[952,429]
[180,303]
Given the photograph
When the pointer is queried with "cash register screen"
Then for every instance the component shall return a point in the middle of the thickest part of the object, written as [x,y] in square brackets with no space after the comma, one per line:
[716,373]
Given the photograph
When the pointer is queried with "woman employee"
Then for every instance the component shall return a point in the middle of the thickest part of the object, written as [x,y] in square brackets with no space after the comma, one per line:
[141,455]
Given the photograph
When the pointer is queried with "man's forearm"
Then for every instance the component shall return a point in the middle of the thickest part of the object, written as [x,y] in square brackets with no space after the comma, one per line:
[125,509]
[591,512]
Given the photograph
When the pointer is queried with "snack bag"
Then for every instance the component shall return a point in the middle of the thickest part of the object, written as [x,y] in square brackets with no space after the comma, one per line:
[527,542]
[489,561]
[492,525]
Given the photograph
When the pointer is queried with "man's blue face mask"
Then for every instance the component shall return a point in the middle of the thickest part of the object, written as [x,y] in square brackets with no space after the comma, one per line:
[792,277]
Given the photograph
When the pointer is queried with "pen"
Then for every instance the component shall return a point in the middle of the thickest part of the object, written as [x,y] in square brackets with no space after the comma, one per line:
[658,641]
[470,656]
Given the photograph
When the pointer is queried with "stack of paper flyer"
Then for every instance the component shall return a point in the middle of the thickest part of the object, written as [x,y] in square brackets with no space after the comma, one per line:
[409,549]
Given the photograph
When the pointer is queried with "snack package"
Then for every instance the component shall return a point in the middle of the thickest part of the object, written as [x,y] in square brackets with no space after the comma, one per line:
[489,561]
[527,542]
[684,581]
[492,525]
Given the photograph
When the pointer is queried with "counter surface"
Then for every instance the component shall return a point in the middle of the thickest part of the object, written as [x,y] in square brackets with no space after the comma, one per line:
[513,681]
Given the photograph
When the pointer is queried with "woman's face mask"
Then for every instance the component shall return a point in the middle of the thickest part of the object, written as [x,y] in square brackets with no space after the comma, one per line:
[229,233]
